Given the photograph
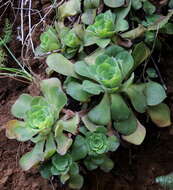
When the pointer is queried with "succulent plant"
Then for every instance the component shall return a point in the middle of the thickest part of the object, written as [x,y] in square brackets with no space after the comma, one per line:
[104,25]
[42,123]
[49,40]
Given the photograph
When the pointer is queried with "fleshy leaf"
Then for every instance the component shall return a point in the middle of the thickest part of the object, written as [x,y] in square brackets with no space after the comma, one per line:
[101,129]
[119,108]
[100,114]
[91,87]
[107,165]
[88,16]
[70,125]
[137,137]
[32,158]
[89,39]
[18,130]
[76,182]
[160,115]
[89,125]
[74,89]
[126,61]
[50,147]
[39,137]
[128,126]
[114,3]
[113,143]
[58,130]
[63,144]
[60,64]
[82,68]
[134,33]
[45,170]
[69,8]
[98,160]
[21,106]
[64,178]
[51,89]
[90,165]
[121,24]
[140,53]
[74,169]
[137,97]
[79,148]
[102,42]
[155,93]
[113,50]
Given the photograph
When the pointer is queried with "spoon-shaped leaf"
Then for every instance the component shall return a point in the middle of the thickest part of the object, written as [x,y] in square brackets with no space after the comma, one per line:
[89,125]
[76,181]
[50,147]
[79,148]
[137,137]
[57,62]
[21,106]
[74,89]
[52,91]
[82,68]
[63,143]
[140,53]
[160,115]
[137,96]
[18,130]
[70,125]
[92,87]
[69,8]
[32,158]
[155,93]
[119,109]
[128,126]
[107,165]
[100,114]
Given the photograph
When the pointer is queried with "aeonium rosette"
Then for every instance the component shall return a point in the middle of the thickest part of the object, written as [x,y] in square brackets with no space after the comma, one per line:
[104,25]
[102,30]
[65,168]
[49,40]
[71,40]
[62,39]
[61,164]
[109,72]
[40,117]
[97,143]
[40,122]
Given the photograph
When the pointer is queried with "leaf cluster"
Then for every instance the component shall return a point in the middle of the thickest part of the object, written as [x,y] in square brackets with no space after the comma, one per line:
[103,81]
